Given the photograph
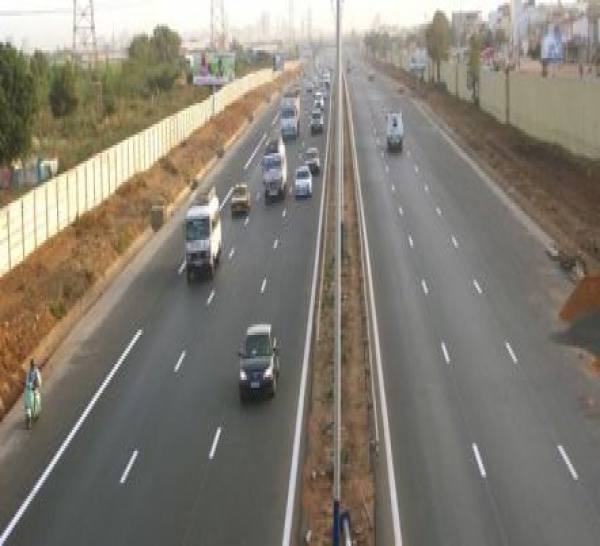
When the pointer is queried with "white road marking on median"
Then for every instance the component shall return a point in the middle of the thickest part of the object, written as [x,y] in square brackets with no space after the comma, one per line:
[275,244]
[454,241]
[426,188]
[393,188]
[66,442]
[263,285]
[211,455]
[226,198]
[477,287]
[132,459]
[246,221]
[260,142]
[275,119]
[416,169]
[410,241]
[512,354]
[387,169]
[210,298]
[424,285]
[179,361]
[568,462]
[181,268]
[445,351]
[438,211]
[284,213]
[231,252]
[400,211]
[479,461]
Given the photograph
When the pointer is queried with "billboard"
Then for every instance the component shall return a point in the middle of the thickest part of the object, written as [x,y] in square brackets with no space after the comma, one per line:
[213,67]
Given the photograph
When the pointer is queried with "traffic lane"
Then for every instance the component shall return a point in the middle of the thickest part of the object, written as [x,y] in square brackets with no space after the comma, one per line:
[257,441]
[576,513]
[509,261]
[92,346]
[441,496]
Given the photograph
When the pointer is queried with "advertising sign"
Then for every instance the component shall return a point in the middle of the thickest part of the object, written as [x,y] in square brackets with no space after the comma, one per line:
[213,67]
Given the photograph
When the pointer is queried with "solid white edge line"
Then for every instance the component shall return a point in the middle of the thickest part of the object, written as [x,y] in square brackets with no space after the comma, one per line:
[58,455]
[293,479]
[226,199]
[383,401]
[210,297]
[479,461]
[512,354]
[181,268]
[213,449]
[568,462]
[179,361]
[445,351]
[128,467]
[477,287]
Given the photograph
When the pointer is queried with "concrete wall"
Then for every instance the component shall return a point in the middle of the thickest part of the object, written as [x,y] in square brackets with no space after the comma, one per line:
[492,94]
[561,111]
[28,222]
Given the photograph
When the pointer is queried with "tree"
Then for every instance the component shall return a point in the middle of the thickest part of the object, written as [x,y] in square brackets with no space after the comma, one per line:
[166,44]
[18,104]
[474,66]
[437,37]
[64,96]
[41,71]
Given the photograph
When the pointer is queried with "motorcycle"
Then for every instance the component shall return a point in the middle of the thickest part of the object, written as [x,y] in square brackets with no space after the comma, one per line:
[33,404]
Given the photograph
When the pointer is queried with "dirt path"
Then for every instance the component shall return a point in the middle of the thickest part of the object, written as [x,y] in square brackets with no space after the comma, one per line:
[357,485]
[37,294]
[558,189]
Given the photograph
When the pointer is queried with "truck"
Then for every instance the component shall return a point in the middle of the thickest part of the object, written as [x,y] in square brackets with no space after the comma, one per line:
[395,131]
[275,170]
[290,115]
[202,230]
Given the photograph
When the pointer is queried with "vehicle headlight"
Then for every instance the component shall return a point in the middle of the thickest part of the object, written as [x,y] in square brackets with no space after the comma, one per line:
[243,376]
[268,373]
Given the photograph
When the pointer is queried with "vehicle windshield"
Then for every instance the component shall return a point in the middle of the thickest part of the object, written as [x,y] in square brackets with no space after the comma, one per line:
[316,115]
[197,229]
[258,345]
[312,154]
[272,162]
[303,173]
[288,113]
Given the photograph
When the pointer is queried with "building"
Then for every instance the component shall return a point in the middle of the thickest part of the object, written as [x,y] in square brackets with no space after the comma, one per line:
[464,25]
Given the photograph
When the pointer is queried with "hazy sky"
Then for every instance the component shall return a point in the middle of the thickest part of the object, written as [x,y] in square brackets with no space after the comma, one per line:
[47,30]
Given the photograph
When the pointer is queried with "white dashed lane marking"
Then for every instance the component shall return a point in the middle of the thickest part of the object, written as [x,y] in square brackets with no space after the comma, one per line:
[179,361]
[445,351]
[128,468]
[479,461]
[568,462]
[511,352]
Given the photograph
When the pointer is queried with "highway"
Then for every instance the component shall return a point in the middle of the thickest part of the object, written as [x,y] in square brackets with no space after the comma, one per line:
[166,454]
[491,439]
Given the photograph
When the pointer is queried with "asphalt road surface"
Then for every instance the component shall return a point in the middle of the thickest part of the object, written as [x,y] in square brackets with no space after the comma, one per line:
[167,454]
[492,440]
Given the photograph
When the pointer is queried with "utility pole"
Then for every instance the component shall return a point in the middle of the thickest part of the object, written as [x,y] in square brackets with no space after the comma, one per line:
[85,48]
[337,374]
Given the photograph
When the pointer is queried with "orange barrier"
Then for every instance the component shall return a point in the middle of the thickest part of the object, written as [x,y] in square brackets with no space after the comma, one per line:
[584,299]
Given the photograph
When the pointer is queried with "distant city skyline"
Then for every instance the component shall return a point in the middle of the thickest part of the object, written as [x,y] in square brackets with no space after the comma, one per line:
[47,24]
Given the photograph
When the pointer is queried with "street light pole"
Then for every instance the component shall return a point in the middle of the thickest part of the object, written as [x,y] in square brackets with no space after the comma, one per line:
[338,286]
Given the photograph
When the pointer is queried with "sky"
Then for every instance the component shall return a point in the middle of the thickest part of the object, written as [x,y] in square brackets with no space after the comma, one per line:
[121,18]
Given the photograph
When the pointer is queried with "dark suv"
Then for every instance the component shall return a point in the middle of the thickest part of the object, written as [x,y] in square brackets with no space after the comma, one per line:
[259,362]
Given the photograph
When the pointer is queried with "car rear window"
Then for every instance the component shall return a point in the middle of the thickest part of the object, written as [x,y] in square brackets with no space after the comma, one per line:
[257,345]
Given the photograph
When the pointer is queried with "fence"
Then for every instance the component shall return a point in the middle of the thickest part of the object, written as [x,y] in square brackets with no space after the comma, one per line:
[27,223]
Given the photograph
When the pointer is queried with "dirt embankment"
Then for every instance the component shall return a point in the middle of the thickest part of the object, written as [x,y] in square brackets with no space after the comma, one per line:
[357,485]
[37,294]
[558,189]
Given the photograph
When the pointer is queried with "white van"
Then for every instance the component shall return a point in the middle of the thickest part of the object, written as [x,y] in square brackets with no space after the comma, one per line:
[203,235]
[395,131]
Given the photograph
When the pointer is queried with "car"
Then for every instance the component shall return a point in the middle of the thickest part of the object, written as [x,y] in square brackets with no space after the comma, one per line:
[259,362]
[311,157]
[319,101]
[316,121]
[241,201]
[303,182]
